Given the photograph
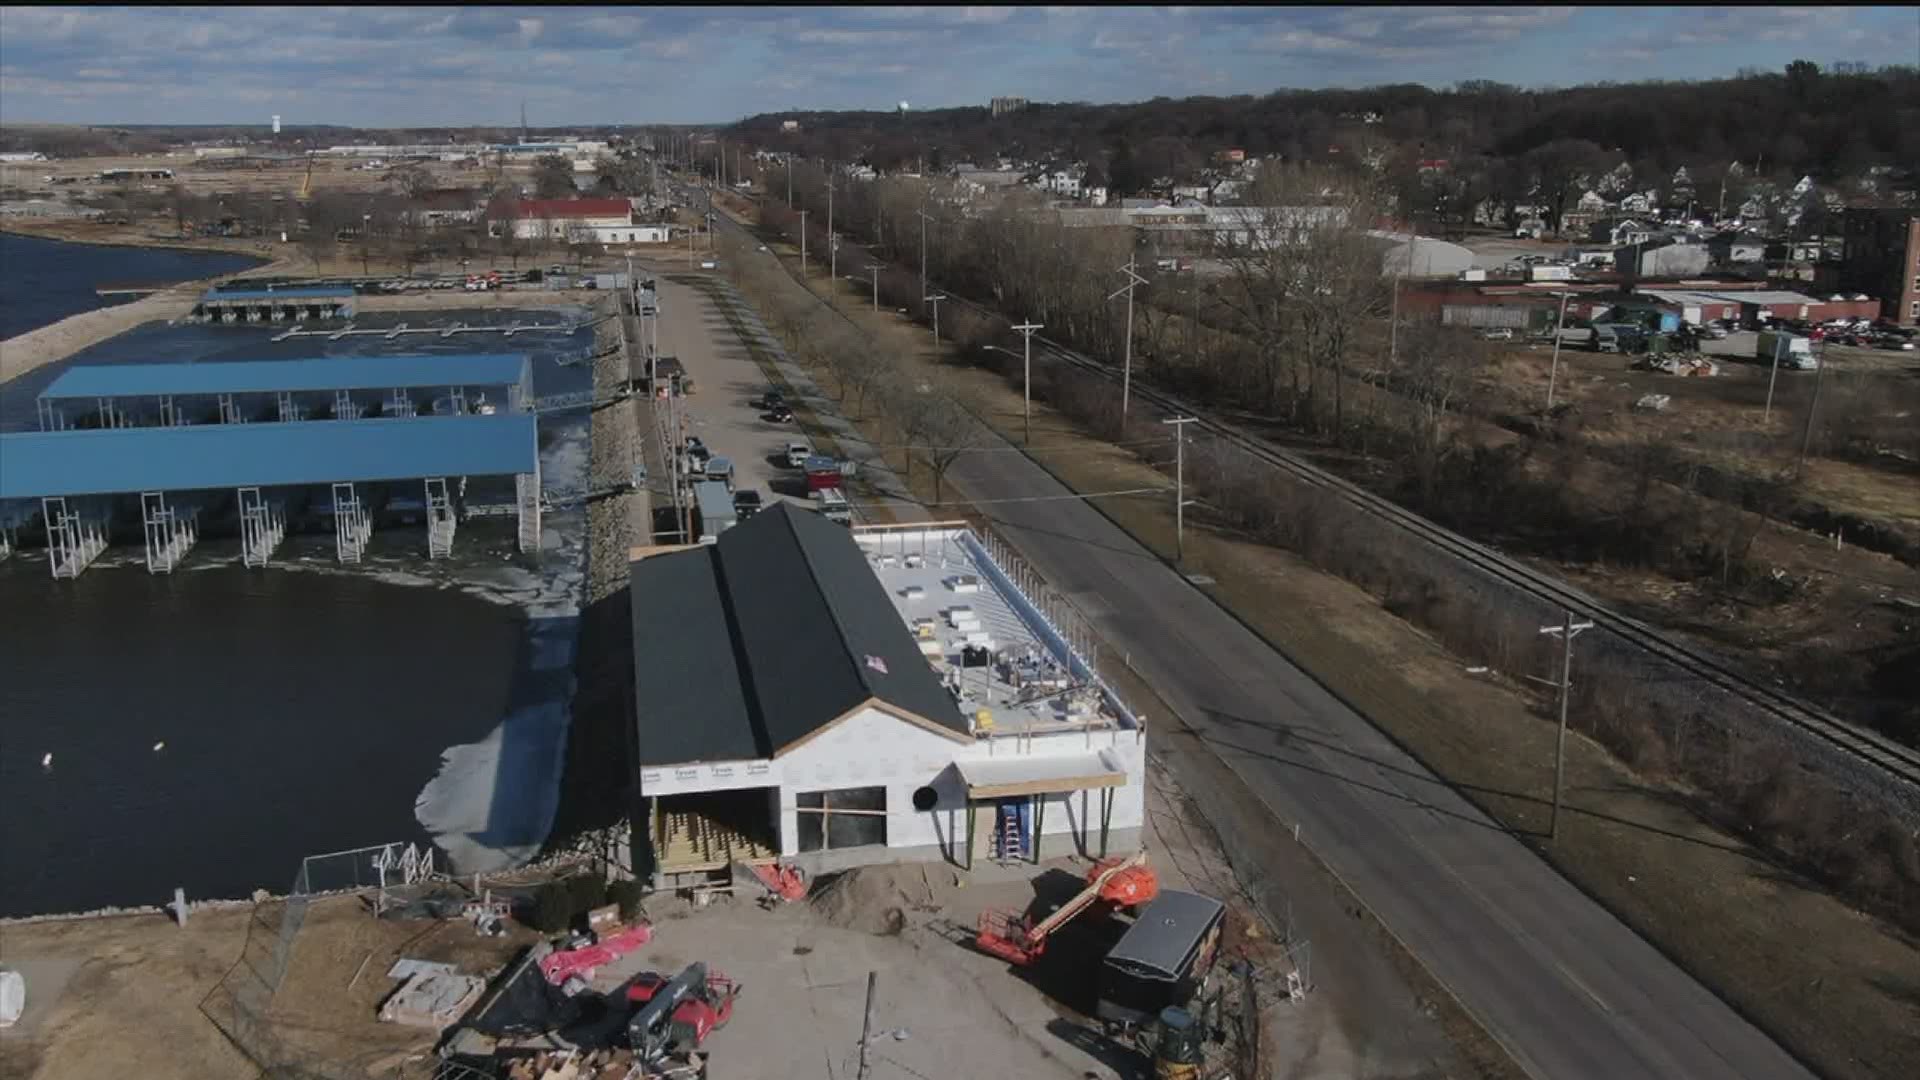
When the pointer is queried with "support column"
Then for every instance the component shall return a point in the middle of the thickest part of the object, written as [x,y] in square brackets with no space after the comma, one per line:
[110,414]
[343,406]
[351,527]
[230,411]
[526,488]
[51,417]
[400,403]
[441,521]
[73,540]
[457,399]
[168,537]
[262,526]
[289,409]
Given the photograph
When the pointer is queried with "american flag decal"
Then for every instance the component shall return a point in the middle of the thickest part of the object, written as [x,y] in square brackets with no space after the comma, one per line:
[877,664]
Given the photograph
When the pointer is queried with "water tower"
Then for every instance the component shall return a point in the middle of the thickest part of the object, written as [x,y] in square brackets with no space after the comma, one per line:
[276,124]
[903,108]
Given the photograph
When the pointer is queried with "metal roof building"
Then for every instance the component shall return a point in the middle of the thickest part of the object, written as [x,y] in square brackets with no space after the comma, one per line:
[111,385]
[38,464]
[76,476]
[270,376]
[305,292]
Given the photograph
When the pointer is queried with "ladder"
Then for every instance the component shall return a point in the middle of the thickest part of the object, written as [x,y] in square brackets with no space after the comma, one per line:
[1012,844]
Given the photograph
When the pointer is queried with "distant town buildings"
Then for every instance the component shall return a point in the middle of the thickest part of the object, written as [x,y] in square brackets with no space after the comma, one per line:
[1001,106]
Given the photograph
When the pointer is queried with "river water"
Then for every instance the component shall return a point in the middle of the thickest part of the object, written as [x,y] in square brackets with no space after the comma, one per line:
[211,728]
[44,281]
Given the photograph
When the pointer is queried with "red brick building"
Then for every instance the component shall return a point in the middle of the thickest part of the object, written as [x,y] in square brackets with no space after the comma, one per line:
[1882,259]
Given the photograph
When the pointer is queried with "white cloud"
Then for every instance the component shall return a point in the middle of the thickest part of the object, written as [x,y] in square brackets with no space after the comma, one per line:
[529,30]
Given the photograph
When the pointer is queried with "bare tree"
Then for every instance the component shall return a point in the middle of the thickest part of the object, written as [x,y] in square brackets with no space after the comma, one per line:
[552,177]
[1437,370]
[947,431]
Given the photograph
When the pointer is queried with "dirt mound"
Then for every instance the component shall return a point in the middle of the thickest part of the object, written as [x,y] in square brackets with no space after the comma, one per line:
[871,899]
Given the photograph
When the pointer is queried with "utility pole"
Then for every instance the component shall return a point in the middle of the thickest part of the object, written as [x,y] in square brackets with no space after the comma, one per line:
[789,179]
[803,245]
[1813,409]
[874,269]
[1778,341]
[923,251]
[1180,499]
[833,246]
[1027,330]
[1567,630]
[1553,368]
[935,301]
[1126,370]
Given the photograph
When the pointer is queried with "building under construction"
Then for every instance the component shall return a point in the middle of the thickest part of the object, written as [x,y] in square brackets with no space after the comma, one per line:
[833,698]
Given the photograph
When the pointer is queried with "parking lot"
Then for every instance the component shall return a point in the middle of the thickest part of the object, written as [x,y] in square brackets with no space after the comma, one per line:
[726,382]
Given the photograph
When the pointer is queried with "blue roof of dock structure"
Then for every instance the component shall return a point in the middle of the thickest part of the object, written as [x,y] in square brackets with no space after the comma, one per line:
[307,292]
[112,461]
[271,376]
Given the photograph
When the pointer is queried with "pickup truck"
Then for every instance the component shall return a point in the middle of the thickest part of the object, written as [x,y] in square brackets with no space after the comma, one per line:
[831,503]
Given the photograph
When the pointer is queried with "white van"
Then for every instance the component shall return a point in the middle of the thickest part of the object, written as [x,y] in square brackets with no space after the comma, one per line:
[798,451]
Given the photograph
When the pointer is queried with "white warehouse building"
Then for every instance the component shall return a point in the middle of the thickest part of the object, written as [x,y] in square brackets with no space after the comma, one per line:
[830,698]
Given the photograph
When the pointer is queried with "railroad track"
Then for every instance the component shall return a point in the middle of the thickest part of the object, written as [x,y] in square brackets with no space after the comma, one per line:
[1897,761]
[1893,758]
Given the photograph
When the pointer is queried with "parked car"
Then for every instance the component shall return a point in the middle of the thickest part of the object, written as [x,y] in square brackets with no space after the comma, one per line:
[771,398]
[1898,344]
[780,414]
[746,503]
[798,451]
[1499,333]
[1716,331]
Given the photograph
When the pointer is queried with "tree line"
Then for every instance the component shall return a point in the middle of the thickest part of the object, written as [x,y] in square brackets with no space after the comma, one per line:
[1802,121]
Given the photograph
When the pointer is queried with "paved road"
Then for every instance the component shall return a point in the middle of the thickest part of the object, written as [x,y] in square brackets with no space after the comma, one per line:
[1570,991]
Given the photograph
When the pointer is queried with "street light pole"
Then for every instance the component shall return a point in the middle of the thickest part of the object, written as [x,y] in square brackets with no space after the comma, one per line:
[1553,367]
[1567,630]
[1180,499]
[935,301]
[874,269]
[1027,330]
[803,245]
[1126,371]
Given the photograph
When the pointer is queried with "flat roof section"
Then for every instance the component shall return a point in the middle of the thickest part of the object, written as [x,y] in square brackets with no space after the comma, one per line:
[306,292]
[929,582]
[115,461]
[270,376]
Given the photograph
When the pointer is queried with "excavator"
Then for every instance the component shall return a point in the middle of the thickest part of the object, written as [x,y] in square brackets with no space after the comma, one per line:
[306,185]
[1114,883]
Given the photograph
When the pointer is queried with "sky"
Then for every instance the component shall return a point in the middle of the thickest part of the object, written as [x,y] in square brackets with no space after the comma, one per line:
[467,65]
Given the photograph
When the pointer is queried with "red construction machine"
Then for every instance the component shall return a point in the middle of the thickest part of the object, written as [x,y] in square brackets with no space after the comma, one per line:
[676,1015]
[1111,883]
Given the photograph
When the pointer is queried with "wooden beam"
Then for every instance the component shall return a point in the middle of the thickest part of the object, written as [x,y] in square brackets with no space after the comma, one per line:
[1055,786]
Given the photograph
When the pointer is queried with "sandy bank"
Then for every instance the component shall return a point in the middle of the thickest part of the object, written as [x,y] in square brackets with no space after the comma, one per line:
[57,341]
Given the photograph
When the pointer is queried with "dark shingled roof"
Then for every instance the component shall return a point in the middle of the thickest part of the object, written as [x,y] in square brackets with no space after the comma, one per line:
[745,648]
